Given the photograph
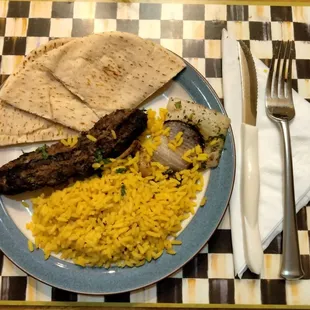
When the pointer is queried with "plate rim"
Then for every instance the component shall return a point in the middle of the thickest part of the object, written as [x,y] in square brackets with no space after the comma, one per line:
[149,283]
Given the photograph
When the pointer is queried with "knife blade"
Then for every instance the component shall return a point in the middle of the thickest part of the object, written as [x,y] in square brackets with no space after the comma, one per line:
[250,178]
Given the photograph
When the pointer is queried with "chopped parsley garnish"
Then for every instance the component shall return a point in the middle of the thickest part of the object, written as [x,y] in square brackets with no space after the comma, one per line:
[168,171]
[98,156]
[42,149]
[178,105]
[121,170]
[123,190]
[106,161]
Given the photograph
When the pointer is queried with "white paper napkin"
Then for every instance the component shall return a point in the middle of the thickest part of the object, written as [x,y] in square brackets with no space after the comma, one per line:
[270,153]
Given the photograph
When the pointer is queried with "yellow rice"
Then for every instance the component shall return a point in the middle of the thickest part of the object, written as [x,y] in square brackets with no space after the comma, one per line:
[91,138]
[120,218]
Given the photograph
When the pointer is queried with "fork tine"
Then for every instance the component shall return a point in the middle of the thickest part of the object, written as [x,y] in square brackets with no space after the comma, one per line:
[283,73]
[270,76]
[289,88]
[276,78]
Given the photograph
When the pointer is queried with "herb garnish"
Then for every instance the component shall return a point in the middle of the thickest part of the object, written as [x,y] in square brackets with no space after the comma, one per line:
[42,149]
[168,171]
[106,161]
[178,105]
[123,190]
[98,156]
[121,170]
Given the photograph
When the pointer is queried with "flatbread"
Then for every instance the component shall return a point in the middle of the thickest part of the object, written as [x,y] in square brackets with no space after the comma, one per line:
[32,88]
[112,70]
[18,126]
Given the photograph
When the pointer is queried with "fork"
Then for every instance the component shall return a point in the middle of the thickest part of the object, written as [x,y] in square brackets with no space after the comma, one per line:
[280,109]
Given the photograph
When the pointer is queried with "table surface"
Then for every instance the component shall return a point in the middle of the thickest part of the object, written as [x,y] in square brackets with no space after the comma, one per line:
[193,31]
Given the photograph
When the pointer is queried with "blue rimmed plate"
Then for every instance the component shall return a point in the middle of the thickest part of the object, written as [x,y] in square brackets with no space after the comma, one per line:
[189,84]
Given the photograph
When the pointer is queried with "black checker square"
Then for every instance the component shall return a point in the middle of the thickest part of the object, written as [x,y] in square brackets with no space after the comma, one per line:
[150,11]
[169,290]
[197,267]
[2,26]
[106,10]
[131,26]
[18,9]
[302,67]
[82,27]
[220,242]
[216,289]
[193,48]
[38,27]
[214,70]
[213,29]
[13,288]
[122,297]
[273,292]
[281,13]
[249,275]
[171,29]
[14,46]
[237,12]
[275,246]
[276,45]
[63,295]
[193,12]
[260,31]
[301,217]
[301,32]
[62,9]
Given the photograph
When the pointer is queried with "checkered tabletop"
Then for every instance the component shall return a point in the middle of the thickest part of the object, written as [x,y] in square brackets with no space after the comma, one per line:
[193,32]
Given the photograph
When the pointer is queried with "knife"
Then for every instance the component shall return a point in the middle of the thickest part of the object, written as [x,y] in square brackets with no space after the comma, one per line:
[250,179]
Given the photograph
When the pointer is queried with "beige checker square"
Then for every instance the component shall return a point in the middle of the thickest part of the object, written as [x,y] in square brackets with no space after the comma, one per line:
[213,49]
[302,49]
[282,31]
[239,30]
[148,294]
[261,49]
[37,291]
[85,10]
[102,25]
[10,270]
[172,11]
[304,87]
[194,291]
[297,292]
[225,223]
[34,42]
[303,238]
[4,8]
[61,27]
[16,27]
[215,12]
[301,14]
[175,45]
[149,29]
[216,83]
[198,63]
[40,9]
[220,266]
[194,30]
[259,13]
[10,63]
[308,217]
[128,10]
[271,266]
[90,298]
[247,292]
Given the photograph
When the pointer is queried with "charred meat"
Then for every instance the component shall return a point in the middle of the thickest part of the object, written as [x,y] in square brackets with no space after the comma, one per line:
[54,165]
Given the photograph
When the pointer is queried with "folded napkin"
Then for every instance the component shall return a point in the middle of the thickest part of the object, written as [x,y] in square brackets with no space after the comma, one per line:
[270,153]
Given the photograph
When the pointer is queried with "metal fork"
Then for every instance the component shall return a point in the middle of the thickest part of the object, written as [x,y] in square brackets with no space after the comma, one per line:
[280,108]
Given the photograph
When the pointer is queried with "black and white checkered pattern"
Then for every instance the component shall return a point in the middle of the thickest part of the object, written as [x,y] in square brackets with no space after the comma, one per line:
[194,32]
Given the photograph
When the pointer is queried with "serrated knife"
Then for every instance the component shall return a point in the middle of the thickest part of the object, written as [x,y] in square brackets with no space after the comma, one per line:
[250,178]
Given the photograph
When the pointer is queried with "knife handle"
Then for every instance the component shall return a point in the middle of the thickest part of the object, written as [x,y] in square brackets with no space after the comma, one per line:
[250,184]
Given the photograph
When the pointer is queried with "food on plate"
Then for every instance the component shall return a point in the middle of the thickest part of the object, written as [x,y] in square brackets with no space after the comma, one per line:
[53,165]
[17,126]
[118,218]
[78,81]
[181,138]
[189,124]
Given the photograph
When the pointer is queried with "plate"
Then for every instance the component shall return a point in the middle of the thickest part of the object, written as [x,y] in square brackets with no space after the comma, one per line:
[189,84]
